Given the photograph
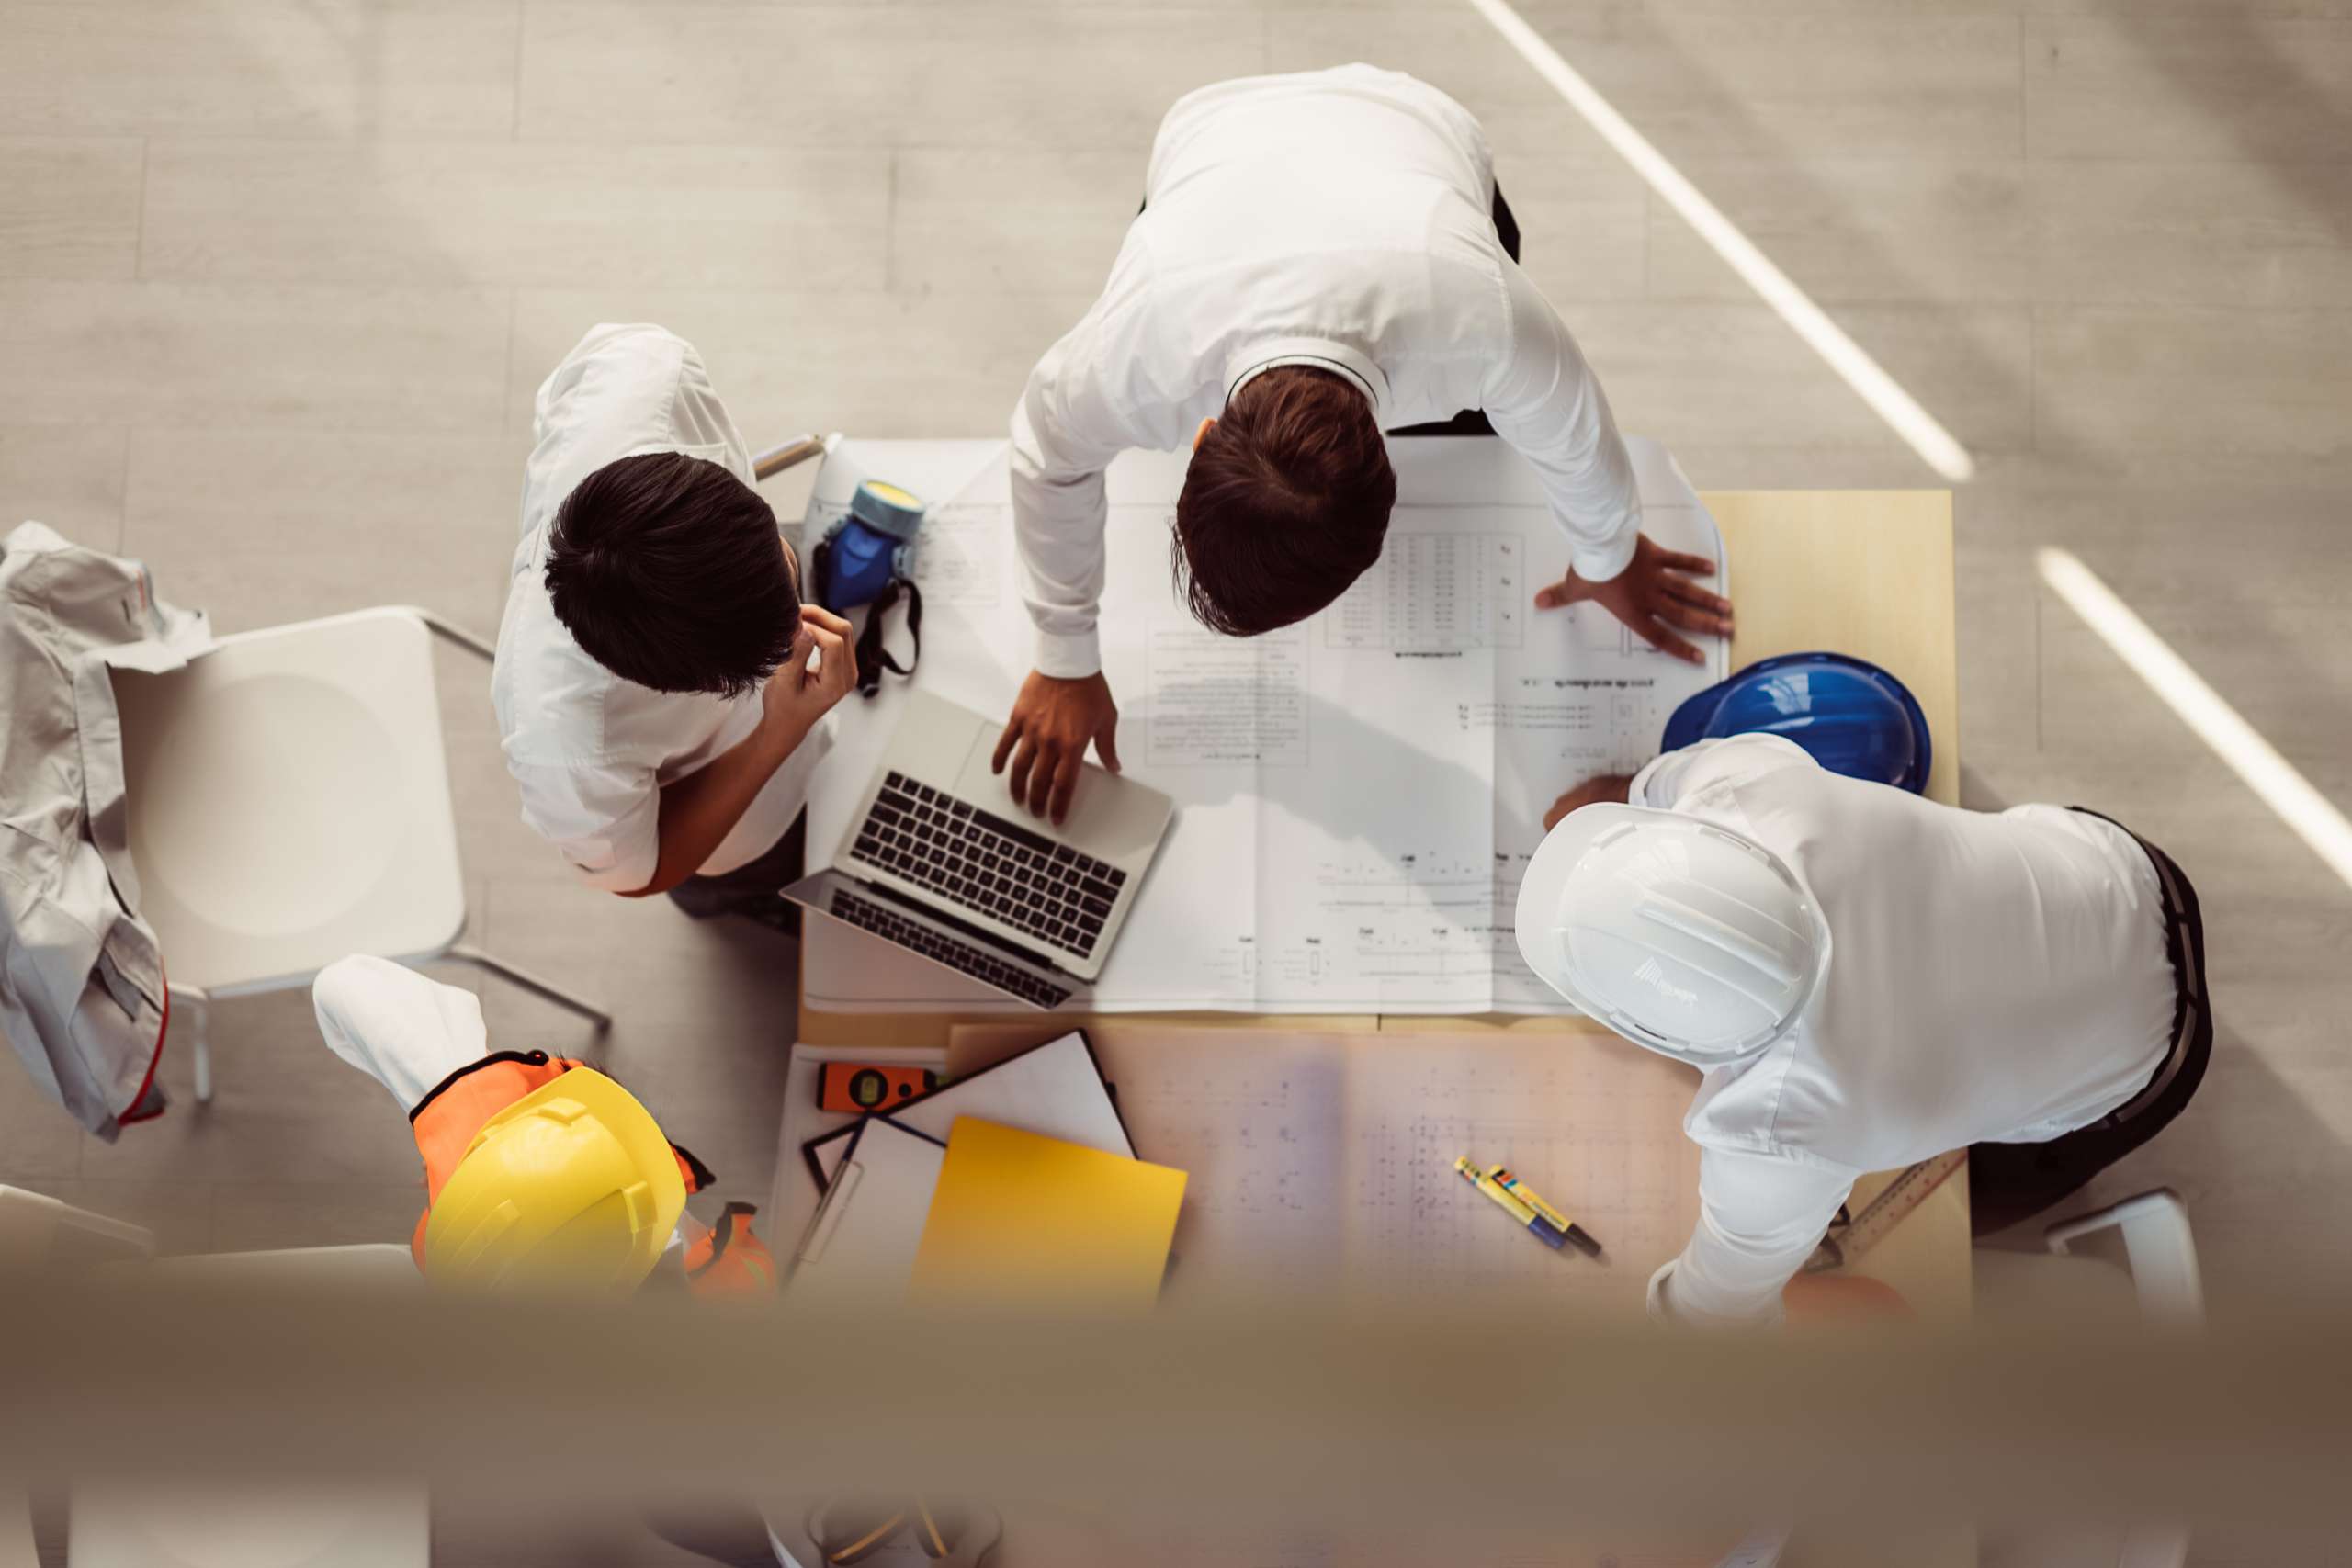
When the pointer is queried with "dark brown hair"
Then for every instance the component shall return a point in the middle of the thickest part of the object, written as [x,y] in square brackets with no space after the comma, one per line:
[1286,503]
[669,572]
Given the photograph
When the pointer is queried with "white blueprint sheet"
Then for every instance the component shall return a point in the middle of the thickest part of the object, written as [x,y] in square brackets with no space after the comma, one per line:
[1357,796]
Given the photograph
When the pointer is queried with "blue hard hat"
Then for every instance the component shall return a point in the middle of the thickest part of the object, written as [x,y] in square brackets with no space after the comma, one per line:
[1853,716]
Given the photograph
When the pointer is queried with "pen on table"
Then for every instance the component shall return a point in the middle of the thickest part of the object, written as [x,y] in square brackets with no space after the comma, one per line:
[1578,1236]
[1537,1225]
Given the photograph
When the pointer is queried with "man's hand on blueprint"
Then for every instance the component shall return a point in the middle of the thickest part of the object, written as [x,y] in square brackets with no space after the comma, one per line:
[1614,788]
[1654,594]
[1045,739]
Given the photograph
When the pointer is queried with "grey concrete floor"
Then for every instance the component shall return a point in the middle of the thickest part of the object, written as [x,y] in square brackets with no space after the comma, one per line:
[278,278]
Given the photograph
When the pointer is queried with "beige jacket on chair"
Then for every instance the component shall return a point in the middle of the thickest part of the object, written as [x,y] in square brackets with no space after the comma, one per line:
[80,981]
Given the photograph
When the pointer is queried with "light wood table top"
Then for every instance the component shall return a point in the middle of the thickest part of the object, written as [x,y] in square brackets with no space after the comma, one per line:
[1868,574]
[1865,572]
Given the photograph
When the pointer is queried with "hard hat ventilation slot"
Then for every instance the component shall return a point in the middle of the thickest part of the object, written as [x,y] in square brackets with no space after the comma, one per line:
[1725,939]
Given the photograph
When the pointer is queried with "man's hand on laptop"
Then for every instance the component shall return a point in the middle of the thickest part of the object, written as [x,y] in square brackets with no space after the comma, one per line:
[1654,594]
[795,698]
[1047,736]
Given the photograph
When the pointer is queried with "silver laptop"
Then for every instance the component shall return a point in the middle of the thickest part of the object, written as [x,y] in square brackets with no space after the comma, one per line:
[940,860]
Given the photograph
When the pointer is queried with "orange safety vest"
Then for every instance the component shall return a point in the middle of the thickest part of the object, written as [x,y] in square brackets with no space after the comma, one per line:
[728,1260]
[723,1260]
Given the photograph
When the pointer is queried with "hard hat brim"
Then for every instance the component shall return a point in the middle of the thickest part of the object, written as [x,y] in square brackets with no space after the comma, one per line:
[1541,890]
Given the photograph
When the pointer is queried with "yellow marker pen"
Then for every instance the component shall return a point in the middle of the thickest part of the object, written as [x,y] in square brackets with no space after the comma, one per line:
[1537,1225]
[1558,1221]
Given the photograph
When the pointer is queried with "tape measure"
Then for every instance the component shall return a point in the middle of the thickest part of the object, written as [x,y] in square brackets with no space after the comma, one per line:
[1882,1213]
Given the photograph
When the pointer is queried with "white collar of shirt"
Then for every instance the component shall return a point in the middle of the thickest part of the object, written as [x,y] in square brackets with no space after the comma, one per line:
[1321,353]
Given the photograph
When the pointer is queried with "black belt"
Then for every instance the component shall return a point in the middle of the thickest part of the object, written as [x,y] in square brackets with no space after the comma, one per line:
[2184,945]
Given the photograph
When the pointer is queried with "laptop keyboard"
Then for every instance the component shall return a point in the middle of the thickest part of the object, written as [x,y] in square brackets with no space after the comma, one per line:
[975,859]
[966,957]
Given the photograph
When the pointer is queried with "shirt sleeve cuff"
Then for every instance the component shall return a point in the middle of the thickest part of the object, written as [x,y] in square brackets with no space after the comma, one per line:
[1664,1309]
[1070,656]
[1659,1311]
[1600,563]
[621,872]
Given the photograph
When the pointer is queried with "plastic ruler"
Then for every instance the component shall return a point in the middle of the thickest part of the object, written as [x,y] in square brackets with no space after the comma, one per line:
[1849,1241]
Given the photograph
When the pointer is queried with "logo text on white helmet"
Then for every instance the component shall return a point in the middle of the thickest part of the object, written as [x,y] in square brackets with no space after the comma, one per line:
[1656,977]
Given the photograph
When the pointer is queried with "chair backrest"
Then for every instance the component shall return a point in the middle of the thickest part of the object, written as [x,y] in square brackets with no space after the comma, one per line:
[376,1263]
[37,1229]
[2158,1249]
[2158,1274]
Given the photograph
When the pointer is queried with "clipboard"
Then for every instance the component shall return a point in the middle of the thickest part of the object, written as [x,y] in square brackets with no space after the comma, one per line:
[1051,1089]
[864,1237]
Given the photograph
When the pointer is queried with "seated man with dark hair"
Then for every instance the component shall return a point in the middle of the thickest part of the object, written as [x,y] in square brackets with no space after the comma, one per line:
[660,687]
[667,571]
[1321,257]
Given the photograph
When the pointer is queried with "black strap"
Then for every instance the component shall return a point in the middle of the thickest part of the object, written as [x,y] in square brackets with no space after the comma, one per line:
[528,1058]
[873,658]
[721,1234]
[704,1180]
[820,567]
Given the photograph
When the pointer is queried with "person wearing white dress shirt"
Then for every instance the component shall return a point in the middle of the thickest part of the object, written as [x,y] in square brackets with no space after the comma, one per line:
[1867,979]
[661,686]
[1322,258]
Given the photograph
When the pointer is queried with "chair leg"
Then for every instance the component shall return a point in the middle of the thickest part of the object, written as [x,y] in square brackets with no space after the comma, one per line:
[465,953]
[193,1001]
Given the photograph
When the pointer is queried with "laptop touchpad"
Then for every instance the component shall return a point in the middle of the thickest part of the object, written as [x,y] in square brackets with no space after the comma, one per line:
[1093,807]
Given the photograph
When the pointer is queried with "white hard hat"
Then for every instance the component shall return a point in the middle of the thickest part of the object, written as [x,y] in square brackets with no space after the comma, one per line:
[1685,937]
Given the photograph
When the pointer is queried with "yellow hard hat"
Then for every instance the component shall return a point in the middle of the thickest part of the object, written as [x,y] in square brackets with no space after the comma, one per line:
[572,1185]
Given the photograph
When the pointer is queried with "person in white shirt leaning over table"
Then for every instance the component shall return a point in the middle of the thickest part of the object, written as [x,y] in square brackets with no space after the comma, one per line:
[1867,979]
[662,688]
[1320,258]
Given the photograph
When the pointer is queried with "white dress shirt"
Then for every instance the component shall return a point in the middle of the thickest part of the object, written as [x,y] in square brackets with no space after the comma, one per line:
[1995,977]
[1339,219]
[590,750]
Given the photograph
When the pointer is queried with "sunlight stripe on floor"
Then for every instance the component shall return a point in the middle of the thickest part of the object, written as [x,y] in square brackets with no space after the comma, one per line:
[2311,814]
[1918,428]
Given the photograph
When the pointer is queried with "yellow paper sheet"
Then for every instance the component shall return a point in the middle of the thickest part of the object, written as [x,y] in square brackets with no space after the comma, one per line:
[1022,1218]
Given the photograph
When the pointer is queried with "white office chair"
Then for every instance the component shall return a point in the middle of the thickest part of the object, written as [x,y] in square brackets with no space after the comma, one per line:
[39,1232]
[2157,1278]
[313,1525]
[289,804]
[17,1546]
